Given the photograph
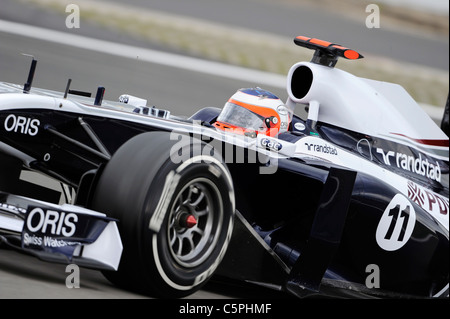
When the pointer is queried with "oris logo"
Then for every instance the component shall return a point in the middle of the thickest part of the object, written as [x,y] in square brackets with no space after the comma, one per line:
[51,222]
[22,125]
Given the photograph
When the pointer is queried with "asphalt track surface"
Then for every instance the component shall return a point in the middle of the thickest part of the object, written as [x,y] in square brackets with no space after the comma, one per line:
[26,277]
[286,18]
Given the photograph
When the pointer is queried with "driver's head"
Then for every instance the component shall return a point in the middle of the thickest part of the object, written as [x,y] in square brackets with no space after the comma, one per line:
[254,110]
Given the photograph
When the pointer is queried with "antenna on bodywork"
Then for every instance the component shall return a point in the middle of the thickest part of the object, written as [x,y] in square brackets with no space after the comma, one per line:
[326,53]
[66,91]
[27,85]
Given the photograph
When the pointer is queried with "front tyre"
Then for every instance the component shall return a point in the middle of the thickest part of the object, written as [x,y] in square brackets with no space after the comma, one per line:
[175,203]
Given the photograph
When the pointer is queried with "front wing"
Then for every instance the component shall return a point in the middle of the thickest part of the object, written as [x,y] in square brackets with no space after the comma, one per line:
[60,233]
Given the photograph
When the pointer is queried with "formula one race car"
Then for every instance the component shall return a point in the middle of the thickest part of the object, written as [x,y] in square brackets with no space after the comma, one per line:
[350,201]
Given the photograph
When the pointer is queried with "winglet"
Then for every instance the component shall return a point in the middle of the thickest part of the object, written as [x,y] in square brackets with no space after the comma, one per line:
[326,53]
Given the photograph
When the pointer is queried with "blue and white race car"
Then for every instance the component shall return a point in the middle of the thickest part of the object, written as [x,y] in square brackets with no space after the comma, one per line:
[325,204]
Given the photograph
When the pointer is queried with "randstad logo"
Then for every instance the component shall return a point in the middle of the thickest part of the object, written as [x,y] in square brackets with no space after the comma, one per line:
[410,163]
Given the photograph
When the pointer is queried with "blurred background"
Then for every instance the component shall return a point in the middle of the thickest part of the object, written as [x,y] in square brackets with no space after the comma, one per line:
[403,41]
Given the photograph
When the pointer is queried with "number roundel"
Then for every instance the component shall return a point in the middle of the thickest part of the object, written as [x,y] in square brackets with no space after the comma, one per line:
[396,224]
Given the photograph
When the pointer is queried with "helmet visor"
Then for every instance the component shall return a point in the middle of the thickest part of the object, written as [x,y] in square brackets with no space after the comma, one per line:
[239,116]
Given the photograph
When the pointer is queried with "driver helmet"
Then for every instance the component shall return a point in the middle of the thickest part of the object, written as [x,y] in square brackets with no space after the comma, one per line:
[253,111]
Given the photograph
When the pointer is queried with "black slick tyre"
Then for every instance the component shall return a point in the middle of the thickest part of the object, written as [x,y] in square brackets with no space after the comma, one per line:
[174,199]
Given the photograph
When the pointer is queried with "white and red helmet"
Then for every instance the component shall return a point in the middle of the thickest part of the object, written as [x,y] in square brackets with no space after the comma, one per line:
[254,111]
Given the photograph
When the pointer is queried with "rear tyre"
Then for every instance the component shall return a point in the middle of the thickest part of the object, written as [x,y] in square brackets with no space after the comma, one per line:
[174,200]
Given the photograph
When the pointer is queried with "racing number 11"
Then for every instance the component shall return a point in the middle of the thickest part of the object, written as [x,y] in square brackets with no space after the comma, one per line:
[396,224]
[394,213]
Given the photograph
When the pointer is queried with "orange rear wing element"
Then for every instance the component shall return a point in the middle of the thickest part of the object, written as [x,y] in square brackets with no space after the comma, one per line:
[326,53]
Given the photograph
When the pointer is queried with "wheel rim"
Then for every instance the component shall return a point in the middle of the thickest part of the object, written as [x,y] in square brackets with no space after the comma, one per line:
[192,243]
